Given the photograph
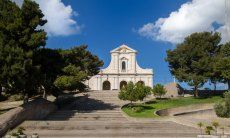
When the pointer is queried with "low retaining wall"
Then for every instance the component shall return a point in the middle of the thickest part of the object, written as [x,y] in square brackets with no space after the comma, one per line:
[34,110]
[183,109]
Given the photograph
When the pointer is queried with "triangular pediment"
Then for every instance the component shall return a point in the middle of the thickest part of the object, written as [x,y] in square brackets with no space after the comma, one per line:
[123,49]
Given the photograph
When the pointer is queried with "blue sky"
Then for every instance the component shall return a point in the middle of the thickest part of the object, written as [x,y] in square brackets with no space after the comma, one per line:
[149,26]
[110,23]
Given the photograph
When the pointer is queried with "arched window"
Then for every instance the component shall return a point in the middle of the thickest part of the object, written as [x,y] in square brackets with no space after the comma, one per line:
[123,65]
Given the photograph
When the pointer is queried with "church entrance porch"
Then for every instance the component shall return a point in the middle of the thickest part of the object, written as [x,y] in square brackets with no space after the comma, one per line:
[123,84]
[106,85]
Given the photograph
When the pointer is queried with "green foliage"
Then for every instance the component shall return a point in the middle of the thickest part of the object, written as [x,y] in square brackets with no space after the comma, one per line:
[19,36]
[134,92]
[128,93]
[223,63]
[192,61]
[20,130]
[137,109]
[208,130]
[152,106]
[215,124]
[79,65]
[142,91]
[200,125]
[26,66]
[68,83]
[159,90]
[222,108]
[83,59]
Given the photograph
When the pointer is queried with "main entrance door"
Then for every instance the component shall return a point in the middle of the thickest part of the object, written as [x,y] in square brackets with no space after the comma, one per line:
[106,85]
[123,84]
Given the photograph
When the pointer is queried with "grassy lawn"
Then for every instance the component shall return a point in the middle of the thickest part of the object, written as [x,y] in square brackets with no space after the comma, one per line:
[150,107]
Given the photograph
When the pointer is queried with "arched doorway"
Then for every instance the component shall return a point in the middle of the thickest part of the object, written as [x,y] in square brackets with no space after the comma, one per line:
[106,85]
[141,82]
[123,84]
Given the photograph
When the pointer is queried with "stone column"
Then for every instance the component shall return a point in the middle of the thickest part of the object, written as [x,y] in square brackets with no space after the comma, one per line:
[100,83]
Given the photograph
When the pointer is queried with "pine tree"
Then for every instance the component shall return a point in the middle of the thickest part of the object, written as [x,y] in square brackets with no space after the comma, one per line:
[20,36]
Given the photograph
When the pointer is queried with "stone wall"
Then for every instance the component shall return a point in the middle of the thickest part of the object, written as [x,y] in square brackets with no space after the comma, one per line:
[184,109]
[34,110]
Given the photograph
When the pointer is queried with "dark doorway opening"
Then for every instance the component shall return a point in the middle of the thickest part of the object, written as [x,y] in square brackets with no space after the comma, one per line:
[106,85]
[141,82]
[123,84]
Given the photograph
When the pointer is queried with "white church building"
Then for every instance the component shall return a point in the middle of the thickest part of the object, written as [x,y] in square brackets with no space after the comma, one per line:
[122,69]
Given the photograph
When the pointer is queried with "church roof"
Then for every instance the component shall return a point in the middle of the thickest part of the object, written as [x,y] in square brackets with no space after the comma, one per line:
[123,47]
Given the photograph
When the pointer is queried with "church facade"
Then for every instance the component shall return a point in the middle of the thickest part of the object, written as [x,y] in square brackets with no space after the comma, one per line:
[122,69]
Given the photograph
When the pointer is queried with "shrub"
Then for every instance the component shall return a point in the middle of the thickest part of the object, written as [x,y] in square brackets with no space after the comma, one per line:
[200,125]
[128,93]
[138,109]
[208,130]
[159,90]
[134,92]
[20,130]
[142,91]
[222,108]
[215,124]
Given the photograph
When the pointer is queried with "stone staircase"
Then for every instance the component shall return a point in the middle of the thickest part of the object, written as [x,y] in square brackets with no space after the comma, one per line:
[100,116]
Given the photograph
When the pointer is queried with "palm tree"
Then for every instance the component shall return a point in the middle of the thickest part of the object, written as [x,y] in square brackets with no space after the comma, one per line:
[216,125]
[200,125]
[208,130]
[222,128]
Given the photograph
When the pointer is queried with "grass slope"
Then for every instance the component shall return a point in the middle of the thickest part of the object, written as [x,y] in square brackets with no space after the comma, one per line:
[150,107]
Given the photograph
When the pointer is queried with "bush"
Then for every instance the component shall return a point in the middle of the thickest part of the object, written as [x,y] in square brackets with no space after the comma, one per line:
[142,91]
[134,92]
[138,109]
[159,90]
[222,108]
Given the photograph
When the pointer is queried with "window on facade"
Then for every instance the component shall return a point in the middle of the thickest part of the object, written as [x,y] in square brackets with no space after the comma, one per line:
[123,66]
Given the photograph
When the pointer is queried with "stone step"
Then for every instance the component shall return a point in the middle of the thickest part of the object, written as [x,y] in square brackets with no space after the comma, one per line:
[100,116]
[104,125]
[92,111]
[113,133]
[88,119]
[101,94]
[95,112]
[87,115]
[117,129]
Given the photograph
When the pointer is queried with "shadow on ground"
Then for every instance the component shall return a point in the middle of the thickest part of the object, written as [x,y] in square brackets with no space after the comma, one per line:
[80,105]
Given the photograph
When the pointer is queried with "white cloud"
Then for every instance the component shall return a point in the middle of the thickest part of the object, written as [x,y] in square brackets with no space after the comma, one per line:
[59,16]
[194,16]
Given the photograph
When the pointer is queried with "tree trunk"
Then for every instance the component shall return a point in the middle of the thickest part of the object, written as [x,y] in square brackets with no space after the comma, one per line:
[0,90]
[26,99]
[44,92]
[214,86]
[228,84]
[195,91]
[44,95]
